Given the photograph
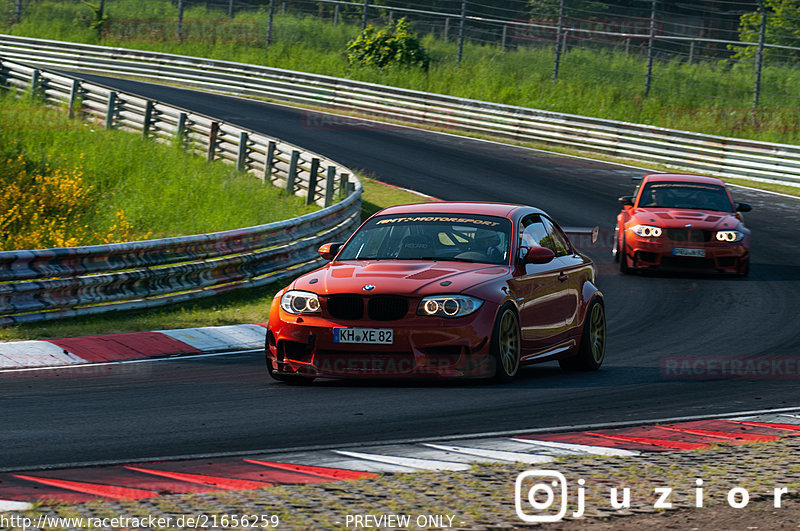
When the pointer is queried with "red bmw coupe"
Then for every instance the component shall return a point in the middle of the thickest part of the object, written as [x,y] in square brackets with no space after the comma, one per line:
[471,290]
[682,222]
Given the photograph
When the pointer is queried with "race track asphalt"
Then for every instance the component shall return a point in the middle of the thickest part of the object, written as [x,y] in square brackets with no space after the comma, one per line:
[215,405]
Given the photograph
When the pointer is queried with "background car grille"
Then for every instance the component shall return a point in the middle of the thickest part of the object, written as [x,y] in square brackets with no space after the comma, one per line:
[382,308]
[379,308]
[346,306]
[687,235]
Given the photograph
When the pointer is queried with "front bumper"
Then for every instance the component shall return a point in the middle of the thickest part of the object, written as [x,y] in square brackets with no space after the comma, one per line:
[649,253]
[422,347]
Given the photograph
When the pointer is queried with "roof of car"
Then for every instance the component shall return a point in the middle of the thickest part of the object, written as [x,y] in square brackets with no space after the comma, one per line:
[462,207]
[682,178]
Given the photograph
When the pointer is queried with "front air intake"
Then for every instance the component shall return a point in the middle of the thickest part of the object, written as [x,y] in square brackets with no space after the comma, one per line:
[387,308]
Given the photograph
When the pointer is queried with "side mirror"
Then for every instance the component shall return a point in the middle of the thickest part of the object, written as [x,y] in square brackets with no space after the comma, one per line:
[329,250]
[626,200]
[539,255]
[743,207]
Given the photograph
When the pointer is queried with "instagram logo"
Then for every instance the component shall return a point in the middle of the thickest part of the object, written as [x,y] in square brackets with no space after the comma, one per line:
[535,496]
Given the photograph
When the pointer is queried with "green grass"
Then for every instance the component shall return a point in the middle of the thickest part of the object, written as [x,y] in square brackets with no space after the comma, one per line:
[708,97]
[163,191]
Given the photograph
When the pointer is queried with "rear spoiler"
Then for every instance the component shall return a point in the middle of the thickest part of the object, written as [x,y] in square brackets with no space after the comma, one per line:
[583,231]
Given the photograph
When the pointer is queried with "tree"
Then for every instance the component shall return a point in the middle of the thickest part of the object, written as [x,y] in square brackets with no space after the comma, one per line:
[783,28]
[394,45]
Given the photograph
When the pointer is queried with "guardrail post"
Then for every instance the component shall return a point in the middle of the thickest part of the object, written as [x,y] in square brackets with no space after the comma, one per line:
[270,21]
[148,118]
[329,182]
[110,108]
[351,187]
[241,159]
[292,176]
[364,15]
[269,162]
[35,84]
[212,141]
[343,180]
[461,24]
[650,49]
[73,98]
[312,181]
[180,133]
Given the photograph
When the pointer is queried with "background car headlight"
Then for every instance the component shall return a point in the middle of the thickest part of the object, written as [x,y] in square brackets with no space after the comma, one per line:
[448,305]
[298,302]
[647,231]
[729,235]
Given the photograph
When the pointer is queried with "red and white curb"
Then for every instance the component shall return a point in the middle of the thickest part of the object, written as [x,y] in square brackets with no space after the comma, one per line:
[130,346]
[146,480]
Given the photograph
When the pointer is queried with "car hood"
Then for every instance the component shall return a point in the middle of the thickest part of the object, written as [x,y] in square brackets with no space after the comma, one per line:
[406,277]
[671,218]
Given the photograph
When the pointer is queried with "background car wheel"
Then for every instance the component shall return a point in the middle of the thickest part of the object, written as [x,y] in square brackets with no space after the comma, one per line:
[744,267]
[506,344]
[623,258]
[592,349]
[286,378]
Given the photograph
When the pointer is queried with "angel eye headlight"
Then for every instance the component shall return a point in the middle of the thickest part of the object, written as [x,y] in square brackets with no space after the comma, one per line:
[647,231]
[729,235]
[297,302]
[448,305]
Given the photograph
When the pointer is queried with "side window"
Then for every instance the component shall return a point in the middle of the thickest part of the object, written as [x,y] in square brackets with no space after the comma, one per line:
[532,231]
[555,240]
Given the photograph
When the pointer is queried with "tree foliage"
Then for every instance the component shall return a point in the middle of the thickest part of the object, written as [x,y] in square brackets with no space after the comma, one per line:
[394,45]
[783,28]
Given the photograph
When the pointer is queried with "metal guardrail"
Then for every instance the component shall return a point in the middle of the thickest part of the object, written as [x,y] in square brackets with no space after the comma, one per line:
[683,150]
[55,283]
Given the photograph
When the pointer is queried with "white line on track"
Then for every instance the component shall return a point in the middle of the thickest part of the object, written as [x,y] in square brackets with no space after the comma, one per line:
[580,448]
[495,455]
[411,462]
[127,362]
[9,505]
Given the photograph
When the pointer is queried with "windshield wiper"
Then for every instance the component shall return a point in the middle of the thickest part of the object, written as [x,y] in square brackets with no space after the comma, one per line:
[445,259]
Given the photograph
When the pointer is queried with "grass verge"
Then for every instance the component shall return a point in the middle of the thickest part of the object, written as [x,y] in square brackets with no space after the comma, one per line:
[163,190]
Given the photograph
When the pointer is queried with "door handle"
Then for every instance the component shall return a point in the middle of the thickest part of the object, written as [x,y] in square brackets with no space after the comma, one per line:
[563,276]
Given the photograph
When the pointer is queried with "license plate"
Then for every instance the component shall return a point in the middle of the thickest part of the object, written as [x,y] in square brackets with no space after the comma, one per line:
[700,253]
[372,336]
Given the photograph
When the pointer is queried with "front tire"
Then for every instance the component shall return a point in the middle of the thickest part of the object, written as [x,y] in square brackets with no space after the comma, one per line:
[506,344]
[744,267]
[592,349]
[623,258]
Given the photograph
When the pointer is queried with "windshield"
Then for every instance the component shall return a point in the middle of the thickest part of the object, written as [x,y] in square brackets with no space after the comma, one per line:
[685,195]
[431,236]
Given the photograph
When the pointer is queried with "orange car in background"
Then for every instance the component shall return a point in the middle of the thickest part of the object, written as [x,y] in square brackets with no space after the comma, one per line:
[683,223]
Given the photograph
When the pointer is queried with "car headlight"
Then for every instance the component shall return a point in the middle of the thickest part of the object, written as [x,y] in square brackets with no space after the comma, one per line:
[647,231]
[448,305]
[298,302]
[729,235]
